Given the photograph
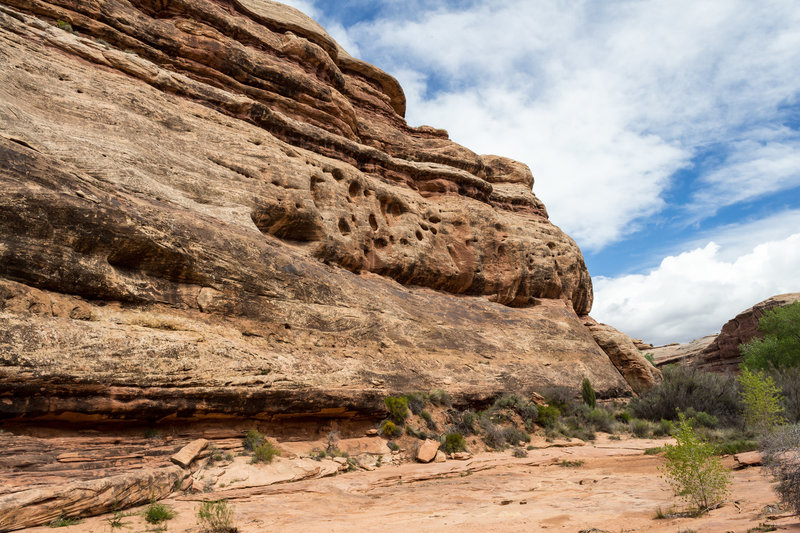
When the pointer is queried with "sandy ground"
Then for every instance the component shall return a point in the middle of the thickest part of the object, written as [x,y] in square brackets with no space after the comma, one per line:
[616,488]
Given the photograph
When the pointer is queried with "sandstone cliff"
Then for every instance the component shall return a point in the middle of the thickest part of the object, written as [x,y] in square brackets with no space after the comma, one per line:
[208,207]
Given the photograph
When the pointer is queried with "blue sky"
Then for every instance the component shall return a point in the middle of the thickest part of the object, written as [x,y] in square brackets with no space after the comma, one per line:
[664,136]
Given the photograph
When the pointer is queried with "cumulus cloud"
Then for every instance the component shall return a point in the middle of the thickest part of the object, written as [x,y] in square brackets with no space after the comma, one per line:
[694,293]
[604,100]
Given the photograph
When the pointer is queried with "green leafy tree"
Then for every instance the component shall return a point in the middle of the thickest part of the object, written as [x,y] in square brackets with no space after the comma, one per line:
[780,347]
[587,391]
[762,400]
[693,470]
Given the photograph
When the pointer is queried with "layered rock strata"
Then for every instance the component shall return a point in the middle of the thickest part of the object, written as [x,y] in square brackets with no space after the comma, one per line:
[208,208]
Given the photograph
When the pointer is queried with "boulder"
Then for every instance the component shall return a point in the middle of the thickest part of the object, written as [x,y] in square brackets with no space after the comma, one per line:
[427,451]
[627,358]
[746,459]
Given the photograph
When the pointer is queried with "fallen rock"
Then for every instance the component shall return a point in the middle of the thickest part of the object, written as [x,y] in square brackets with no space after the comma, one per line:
[372,432]
[746,459]
[427,450]
[461,456]
[189,453]
[441,457]
[625,356]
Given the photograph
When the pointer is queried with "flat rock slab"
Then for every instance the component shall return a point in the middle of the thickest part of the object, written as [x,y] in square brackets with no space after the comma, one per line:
[189,453]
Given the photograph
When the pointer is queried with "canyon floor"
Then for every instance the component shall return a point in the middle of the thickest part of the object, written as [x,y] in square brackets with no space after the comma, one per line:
[609,485]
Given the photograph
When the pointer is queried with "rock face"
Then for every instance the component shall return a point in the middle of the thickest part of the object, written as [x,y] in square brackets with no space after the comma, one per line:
[208,207]
[720,353]
[622,351]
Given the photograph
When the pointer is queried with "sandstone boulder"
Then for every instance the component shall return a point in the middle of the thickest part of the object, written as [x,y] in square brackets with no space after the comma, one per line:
[427,451]
[630,362]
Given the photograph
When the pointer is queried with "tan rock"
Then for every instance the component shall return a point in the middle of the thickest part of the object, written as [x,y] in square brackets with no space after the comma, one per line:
[461,456]
[427,451]
[260,233]
[189,453]
[441,457]
[630,362]
[745,459]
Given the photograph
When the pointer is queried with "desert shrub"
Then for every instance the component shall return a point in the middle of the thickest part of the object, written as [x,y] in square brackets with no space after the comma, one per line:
[624,416]
[588,394]
[265,452]
[252,439]
[158,512]
[650,358]
[398,408]
[584,433]
[393,446]
[762,400]
[599,420]
[64,521]
[464,422]
[492,435]
[692,468]
[781,450]
[663,428]
[526,410]
[514,436]
[390,429]
[416,433]
[640,428]
[560,397]
[454,442]
[548,415]
[416,401]
[780,347]
[520,452]
[440,397]
[732,447]
[702,418]
[426,416]
[683,388]
[64,25]
[216,517]
[566,463]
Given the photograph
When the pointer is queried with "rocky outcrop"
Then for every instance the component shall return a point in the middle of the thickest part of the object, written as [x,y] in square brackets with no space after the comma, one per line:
[622,351]
[208,207]
[720,353]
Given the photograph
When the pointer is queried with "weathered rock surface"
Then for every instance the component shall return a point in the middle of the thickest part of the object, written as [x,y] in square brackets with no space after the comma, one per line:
[208,207]
[630,362]
[720,353]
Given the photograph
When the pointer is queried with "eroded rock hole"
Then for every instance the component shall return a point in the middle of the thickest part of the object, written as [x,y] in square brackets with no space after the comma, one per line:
[344,227]
[418,234]
[381,242]
[354,189]
[373,222]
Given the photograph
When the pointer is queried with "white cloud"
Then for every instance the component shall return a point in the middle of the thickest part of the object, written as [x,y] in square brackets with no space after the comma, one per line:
[306,6]
[604,100]
[694,293]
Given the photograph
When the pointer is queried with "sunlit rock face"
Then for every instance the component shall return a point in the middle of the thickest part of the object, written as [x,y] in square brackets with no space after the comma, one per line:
[209,207]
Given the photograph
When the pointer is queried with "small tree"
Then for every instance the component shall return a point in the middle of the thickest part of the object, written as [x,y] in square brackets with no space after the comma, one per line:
[780,347]
[693,470]
[587,391]
[762,401]
[781,451]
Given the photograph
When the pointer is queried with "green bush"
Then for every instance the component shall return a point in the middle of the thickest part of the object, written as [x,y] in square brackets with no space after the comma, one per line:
[158,512]
[454,442]
[560,397]
[252,439]
[548,416]
[599,420]
[685,387]
[588,394]
[416,433]
[693,470]
[640,428]
[780,347]
[398,408]
[492,435]
[265,452]
[464,423]
[216,517]
[64,521]
[624,416]
[663,428]
[390,429]
[650,358]
[64,25]
[393,446]
[762,400]
[702,418]
[788,380]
